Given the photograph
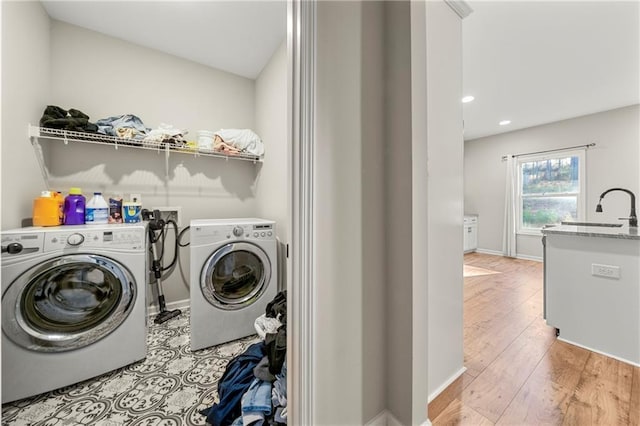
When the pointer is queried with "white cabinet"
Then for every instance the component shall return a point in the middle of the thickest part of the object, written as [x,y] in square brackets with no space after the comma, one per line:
[470,233]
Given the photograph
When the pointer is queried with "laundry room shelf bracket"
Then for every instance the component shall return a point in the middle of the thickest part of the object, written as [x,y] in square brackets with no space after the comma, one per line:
[37,148]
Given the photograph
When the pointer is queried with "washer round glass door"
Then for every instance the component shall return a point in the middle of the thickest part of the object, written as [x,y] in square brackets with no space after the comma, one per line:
[67,302]
[235,275]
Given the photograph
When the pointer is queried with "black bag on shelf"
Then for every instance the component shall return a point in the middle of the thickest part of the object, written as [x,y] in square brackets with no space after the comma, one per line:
[75,120]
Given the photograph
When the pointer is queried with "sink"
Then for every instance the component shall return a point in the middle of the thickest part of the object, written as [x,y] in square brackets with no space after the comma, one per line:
[607,225]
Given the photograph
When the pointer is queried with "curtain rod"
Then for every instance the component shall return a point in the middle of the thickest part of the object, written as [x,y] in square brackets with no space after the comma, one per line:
[590,145]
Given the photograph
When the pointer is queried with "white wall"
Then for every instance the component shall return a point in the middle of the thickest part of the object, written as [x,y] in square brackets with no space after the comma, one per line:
[373,175]
[25,88]
[613,162]
[272,190]
[337,211]
[399,232]
[112,77]
[444,179]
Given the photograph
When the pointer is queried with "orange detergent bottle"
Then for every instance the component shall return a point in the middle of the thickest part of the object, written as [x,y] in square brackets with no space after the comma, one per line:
[46,210]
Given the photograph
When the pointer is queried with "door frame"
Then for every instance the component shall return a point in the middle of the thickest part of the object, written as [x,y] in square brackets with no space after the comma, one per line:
[301,47]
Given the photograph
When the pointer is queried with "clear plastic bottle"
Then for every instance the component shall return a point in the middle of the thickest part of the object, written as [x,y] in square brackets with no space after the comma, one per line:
[97,210]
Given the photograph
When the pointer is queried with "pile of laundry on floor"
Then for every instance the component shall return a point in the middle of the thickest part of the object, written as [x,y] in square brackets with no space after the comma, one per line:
[253,388]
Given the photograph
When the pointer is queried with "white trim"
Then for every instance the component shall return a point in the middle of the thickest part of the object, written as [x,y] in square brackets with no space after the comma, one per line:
[379,420]
[446,384]
[301,41]
[526,257]
[385,418]
[626,361]
[460,7]
[491,252]
[499,253]
[180,304]
[392,421]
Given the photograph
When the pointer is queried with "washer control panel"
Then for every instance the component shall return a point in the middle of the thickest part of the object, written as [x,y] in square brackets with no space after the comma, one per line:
[18,244]
[116,238]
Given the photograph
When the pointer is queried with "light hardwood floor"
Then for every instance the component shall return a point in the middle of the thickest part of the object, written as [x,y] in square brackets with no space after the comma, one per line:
[517,372]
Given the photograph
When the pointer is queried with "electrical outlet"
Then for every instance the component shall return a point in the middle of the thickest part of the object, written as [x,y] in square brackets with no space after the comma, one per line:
[170,213]
[607,271]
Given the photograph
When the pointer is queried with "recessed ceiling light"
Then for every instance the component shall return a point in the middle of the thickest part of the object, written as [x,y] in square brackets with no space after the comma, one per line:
[504,122]
[467,99]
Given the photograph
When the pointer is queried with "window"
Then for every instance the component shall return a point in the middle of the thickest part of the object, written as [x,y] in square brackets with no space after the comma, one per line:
[550,190]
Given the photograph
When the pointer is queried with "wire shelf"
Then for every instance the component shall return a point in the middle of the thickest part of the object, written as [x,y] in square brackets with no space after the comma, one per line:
[116,142]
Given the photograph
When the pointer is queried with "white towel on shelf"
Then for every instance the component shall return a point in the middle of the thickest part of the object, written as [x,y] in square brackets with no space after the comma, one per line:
[243,140]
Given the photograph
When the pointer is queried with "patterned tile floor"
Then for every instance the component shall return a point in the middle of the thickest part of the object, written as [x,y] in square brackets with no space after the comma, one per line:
[168,388]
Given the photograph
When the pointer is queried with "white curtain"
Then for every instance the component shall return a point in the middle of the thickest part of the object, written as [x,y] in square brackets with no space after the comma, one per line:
[510,199]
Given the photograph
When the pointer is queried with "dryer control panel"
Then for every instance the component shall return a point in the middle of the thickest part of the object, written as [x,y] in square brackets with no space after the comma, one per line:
[262,231]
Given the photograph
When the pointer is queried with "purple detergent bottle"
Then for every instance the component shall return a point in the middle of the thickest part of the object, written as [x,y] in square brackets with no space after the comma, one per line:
[74,206]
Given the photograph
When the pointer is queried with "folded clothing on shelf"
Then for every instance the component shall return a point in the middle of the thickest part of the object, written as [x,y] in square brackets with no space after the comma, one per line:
[126,126]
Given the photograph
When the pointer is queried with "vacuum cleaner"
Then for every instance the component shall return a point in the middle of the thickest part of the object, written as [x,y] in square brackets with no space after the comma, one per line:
[156,231]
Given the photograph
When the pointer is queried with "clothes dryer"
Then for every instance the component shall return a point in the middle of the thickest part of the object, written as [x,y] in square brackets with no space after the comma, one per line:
[233,277]
[73,304]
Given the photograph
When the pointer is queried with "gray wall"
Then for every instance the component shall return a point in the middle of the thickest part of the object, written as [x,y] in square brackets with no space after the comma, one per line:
[25,89]
[112,77]
[613,162]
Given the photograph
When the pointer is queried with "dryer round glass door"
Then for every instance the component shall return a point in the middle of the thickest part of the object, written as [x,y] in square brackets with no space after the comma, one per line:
[235,275]
[67,302]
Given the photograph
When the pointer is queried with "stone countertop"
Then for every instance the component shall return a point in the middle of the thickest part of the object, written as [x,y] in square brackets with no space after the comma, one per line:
[624,232]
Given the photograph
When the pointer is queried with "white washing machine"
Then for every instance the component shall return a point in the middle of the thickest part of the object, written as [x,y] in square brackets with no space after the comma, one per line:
[233,277]
[73,304]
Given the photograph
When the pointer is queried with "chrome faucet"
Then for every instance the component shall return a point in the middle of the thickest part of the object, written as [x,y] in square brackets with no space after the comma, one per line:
[633,219]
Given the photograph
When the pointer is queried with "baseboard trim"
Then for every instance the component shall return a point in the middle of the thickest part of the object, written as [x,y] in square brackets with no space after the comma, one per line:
[385,418]
[392,421]
[153,310]
[525,257]
[518,256]
[491,252]
[446,384]
[626,361]
[379,420]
